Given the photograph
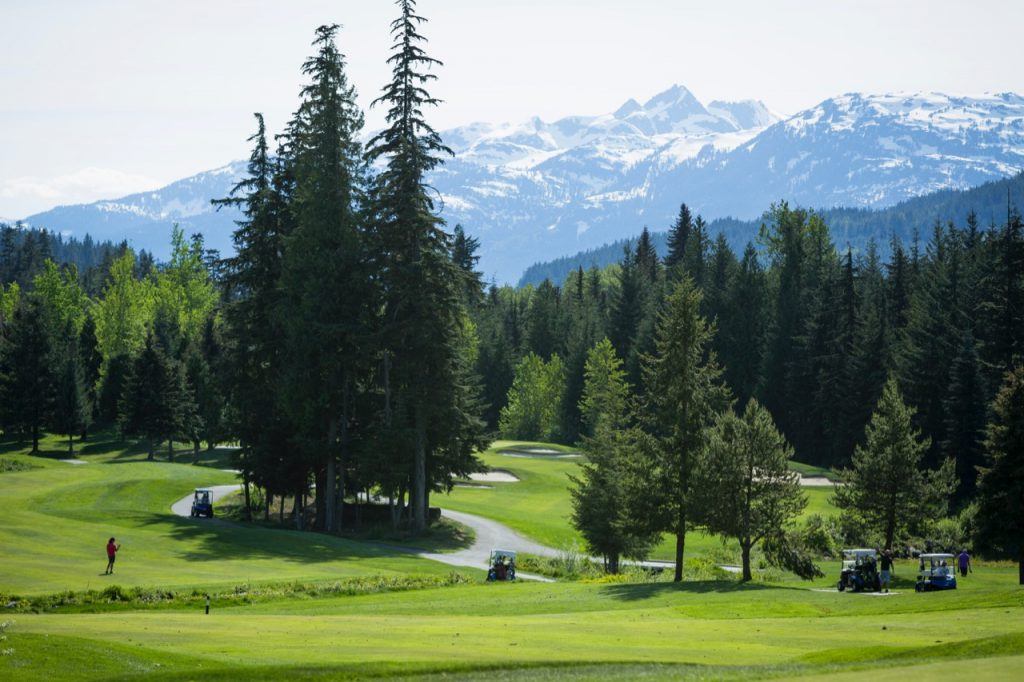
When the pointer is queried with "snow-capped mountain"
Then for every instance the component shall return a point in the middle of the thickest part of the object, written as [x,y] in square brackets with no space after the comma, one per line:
[536,190]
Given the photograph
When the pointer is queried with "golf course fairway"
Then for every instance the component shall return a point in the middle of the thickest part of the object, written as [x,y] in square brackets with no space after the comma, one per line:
[57,517]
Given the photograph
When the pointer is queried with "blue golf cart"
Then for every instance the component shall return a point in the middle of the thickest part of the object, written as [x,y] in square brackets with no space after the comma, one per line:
[202,503]
[936,572]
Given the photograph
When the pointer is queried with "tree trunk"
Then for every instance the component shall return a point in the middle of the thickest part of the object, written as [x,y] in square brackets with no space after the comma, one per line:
[71,444]
[747,575]
[330,504]
[152,449]
[320,509]
[297,510]
[613,563]
[35,438]
[248,499]
[266,504]
[419,475]
[210,446]
[195,451]
[280,511]
[170,449]
[680,547]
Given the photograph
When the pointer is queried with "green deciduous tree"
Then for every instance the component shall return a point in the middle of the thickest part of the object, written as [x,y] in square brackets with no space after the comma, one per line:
[26,373]
[533,401]
[745,485]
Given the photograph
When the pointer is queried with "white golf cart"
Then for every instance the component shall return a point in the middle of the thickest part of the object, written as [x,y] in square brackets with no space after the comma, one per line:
[936,572]
[860,571]
[502,565]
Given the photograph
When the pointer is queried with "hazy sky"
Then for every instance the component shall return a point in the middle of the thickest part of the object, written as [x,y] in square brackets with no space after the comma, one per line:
[99,99]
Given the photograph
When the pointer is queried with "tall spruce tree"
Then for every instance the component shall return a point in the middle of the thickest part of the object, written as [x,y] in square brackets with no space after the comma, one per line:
[72,411]
[327,295]
[27,373]
[965,412]
[1000,516]
[684,393]
[422,310]
[887,486]
[678,236]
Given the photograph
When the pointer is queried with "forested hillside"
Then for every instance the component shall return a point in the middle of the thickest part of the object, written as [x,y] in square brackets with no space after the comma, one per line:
[853,227]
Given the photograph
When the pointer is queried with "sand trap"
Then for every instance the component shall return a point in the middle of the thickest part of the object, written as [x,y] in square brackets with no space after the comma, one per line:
[533,454]
[495,476]
[74,461]
[812,481]
[474,485]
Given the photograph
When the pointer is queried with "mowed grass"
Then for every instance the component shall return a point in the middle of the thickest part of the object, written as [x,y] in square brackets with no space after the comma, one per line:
[55,520]
[545,631]
[57,516]
[539,505]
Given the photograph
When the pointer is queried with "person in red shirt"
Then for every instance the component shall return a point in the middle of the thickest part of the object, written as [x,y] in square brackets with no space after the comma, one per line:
[111,555]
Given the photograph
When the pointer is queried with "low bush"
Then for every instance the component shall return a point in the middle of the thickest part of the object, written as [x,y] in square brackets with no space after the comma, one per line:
[8,465]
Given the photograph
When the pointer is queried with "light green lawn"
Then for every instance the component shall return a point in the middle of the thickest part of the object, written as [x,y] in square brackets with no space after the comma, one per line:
[56,520]
[756,629]
[539,507]
[57,516]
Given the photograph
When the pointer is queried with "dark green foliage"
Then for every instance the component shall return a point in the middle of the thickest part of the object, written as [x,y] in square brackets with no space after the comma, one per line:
[678,236]
[72,409]
[1000,513]
[27,376]
[156,404]
[746,489]
[965,413]
[684,393]
[887,486]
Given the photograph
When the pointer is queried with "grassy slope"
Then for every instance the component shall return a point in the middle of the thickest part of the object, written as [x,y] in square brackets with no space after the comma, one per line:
[540,631]
[57,518]
[538,505]
[765,628]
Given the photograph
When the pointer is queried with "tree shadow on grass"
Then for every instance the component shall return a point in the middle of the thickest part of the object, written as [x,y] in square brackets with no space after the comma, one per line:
[217,540]
[641,591]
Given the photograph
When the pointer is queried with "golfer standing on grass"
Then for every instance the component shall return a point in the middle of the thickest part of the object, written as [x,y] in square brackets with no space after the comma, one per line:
[111,555]
[964,560]
[885,577]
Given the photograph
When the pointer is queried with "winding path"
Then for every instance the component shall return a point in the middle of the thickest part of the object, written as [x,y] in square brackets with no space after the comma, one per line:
[488,535]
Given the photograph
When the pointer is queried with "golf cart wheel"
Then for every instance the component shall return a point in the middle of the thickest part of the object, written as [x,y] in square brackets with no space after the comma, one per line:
[841,586]
[918,587]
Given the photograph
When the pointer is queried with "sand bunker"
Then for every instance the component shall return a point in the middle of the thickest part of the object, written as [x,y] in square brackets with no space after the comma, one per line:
[494,476]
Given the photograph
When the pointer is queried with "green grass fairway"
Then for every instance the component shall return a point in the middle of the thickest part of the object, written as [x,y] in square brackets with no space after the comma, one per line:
[539,507]
[714,629]
[57,518]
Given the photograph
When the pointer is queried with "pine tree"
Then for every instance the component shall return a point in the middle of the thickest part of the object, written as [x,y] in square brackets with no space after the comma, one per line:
[153,405]
[1000,516]
[465,257]
[328,301]
[91,362]
[543,333]
[887,485]
[26,373]
[964,409]
[598,493]
[72,411]
[684,392]
[678,236]
[742,329]
[422,309]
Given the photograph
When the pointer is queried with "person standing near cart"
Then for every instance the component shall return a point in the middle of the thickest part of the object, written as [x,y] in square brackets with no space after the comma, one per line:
[885,576]
[964,562]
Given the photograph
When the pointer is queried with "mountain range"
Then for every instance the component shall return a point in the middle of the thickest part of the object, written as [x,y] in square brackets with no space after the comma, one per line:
[536,190]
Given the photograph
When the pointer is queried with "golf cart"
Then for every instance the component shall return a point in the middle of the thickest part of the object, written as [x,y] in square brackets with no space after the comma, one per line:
[860,571]
[202,503]
[501,565]
[936,573]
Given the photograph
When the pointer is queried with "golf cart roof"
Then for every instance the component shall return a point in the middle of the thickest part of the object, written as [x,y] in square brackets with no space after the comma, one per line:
[860,552]
[504,552]
[936,556]
[203,490]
